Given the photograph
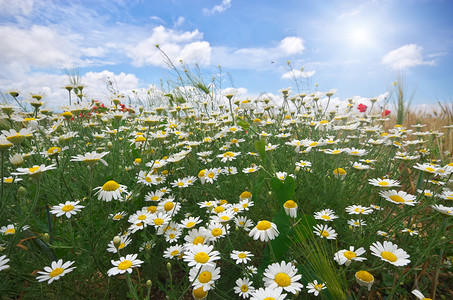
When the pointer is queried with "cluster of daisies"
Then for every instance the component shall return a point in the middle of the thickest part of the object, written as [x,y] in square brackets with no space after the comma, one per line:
[224,150]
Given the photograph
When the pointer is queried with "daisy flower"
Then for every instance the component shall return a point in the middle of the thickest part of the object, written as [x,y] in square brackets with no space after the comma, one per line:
[410,231]
[190,222]
[172,236]
[8,230]
[91,158]
[244,287]
[118,216]
[327,215]
[400,197]
[3,262]
[201,255]
[390,253]
[35,172]
[196,236]
[345,257]
[358,210]
[241,256]
[290,208]
[228,156]
[159,219]
[359,166]
[283,275]
[324,231]
[154,196]
[364,278]
[315,287]
[445,210]
[246,203]
[217,230]
[110,190]
[356,223]
[68,209]
[173,251]
[264,231]
[243,222]
[125,240]
[268,293]
[204,277]
[125,264]
[251,169]
[55,271]
[428,168]
[383,182]
[382,233]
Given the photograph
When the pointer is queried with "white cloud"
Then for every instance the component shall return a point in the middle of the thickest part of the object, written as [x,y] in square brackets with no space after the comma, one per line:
[38,46]
[187,46]
[218,8]
[298,74]
[257,58]
[11,8]
[179,22]
[292,45]
[55,96]
[407,56]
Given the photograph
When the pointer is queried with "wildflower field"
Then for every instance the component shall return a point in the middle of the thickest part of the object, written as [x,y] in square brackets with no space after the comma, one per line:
[192,194]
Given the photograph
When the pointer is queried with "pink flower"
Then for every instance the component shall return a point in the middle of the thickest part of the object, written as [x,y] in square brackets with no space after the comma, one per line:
[385,112]
[361,107]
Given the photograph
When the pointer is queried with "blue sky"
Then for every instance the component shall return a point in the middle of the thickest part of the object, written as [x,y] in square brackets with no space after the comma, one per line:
[356,47]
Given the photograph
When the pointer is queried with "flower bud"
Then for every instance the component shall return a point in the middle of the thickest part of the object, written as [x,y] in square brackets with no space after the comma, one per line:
[116,241]
[17,160]
[21,191]
[109,145]
[169,266]
[46,238]
[149,284]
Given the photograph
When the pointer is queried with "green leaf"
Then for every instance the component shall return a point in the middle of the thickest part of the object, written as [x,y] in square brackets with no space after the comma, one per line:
[243,124]
[203,87]
[282,242]
[260,146]
[284,190]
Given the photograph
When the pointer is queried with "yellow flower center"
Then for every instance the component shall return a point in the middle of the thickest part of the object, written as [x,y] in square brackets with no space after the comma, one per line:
[110,186]
[141,217]
[190,224]
[8,180]
[383,183]
[282,279]
[198,240]
[319,286]
[205,277]
[201,257]
[397,198]
[323,122]
[244,288]
[313,144]
[219,209]
[174,252]
[67,208]
[171,235]
[349,255]
[388,256]
[340,171]
[269,298]
[33,169]
[53,150]
[168,206]
[180,183]
[140,139]
[152,209]
[216,232]
[263,225]
[56,272]
[199,293]
[359,210]
[154,198]
[364,276]
[211,175]
[125,264]
[121,246]
[10,231]
[158,221]
[148,179]
[242,255]
[325,217]
[324,233]
[228,154]
[429,169]
[290,204]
